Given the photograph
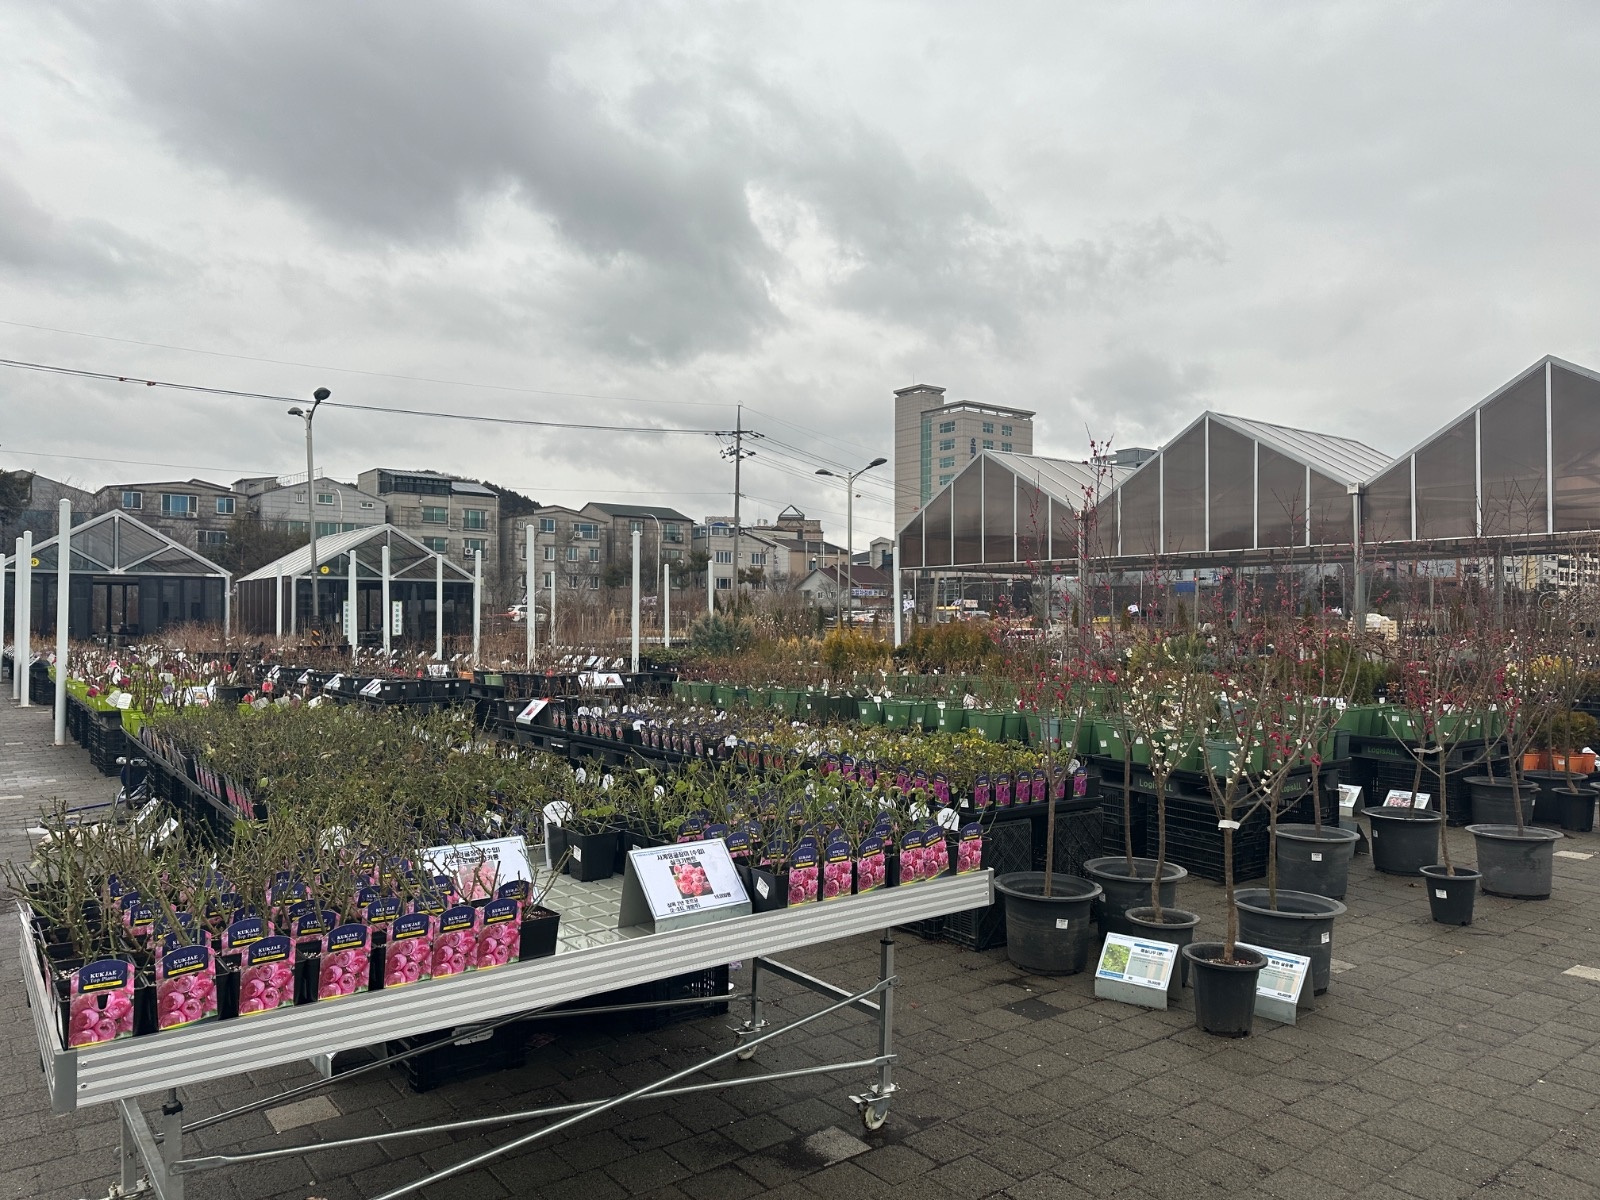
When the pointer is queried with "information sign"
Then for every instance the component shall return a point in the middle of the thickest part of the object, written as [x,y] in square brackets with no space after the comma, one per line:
[689,883]
[1403,799]
[1135,970]
[534,708]
[477,870]
[1281,984]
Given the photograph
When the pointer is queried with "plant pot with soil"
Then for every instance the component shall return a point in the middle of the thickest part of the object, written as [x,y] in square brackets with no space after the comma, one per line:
[1048,934]
[1126,883]
[1224,987]
[1404,840]
[1516,862]
[1298,923]
[1451,894]
[1494,800]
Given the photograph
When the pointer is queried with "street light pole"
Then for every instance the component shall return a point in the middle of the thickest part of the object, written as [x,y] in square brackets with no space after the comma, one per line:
[849,478]
[317,397]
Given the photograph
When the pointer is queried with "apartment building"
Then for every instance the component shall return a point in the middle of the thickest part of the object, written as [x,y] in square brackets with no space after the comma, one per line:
[192,512]
[763,555]
[451,516]
[285,502]
[934,439]
[39,512]
[665,536]
[569,550]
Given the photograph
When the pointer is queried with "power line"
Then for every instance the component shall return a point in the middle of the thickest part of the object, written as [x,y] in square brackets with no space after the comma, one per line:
[280,362]
[79,373]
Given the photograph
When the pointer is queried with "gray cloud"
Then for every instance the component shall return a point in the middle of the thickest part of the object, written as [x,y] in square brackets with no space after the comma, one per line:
[70,252]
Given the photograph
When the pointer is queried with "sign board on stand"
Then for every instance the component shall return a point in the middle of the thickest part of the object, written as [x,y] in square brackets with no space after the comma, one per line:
[1281,985]
[478,869]
[690,883]
[1398,798]
[1349,804]
[397,617]
[1135,970]
[534,708]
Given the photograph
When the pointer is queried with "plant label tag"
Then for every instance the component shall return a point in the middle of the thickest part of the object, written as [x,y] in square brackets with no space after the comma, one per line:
[1441,893]
[763,888]
[1135,970]
[687,883]
[1062,922]
[1397,798]
[372,687]
[1281,984]
[534,708]
[1316,856]
[1326,938]
[1227,825]
[477,870]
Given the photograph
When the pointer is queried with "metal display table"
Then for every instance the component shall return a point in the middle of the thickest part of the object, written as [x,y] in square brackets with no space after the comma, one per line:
[591,960]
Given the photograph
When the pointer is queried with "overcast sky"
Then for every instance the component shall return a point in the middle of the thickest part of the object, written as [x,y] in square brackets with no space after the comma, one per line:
[1357,218]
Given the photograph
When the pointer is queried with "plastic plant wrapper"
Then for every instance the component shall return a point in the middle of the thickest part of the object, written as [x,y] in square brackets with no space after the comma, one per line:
[186,988]
[805,872]
[838,869]
[872,865]
[969,849]
[266,980]
[100,1008]
[409,955]
[455,945]
[346,962]
[982,794]
[499,934]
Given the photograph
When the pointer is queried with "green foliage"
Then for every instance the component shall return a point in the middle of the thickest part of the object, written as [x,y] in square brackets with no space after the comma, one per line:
[951,646]
[721,636]
[1569,731]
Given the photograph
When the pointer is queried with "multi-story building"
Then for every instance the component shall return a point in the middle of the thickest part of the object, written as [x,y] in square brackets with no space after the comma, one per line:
[192,512]
[933,440]
[763,556]
[38,512]
[284,502]
[451,516]
[569,550]
[665,537]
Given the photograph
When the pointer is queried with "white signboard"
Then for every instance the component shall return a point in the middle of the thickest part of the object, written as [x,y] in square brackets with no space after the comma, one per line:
[1402,799]
[1281,983]
[1135,970]
[479,869]
[534,708]
[686,884]
[397,617]
[373,687]
[599,679]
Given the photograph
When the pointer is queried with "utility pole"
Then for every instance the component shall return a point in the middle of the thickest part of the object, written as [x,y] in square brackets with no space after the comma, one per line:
[738,453]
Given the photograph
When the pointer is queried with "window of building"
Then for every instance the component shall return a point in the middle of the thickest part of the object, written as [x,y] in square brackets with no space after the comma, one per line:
[594,583]
[572,581]
[174,504]
[1005,431]
[723,584]
[572,554]
[417,485]
[586,529]
[671,532]
[947,426]
[327,528]
[948,461]
[299,497]
[758,560]
[132,499]
[435,516]
[367,504]
[988,427]
[546,579]
[674,555]
[1006,446]
[547,524]
[324,497]
[944,479]
[475,518]
[947,443]
[594,553]
[224,506]
[298,527]
[988,443]
[475,545]
[549,554]
[437,545]
[213,537]
[724,556]
[635,526]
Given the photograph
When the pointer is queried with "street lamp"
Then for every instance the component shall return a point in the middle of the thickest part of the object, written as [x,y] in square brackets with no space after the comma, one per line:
[849,478]
[317,398]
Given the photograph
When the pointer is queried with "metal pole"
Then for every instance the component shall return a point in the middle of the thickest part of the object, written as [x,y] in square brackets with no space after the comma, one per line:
[311,518]
[227,608]
[352,625]
[63,615]
[850,546]
[636,536]
[438,607]
[899,619]
[24,617]
[385,618]
[2,599]
[477,603]
[552,609]
[666,605]
[294,605]
[277,603]
[711,575]
[531,615]
[738,462]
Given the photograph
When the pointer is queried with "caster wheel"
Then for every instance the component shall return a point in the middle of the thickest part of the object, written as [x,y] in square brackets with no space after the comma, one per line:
[747,1055]
[873,1117]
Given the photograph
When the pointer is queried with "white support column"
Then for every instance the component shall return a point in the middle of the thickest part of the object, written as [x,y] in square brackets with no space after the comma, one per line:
[636,536]
[530,593]
[16,617]
[277,603]
[352,623]
[711,574]
[63,614]
[477,604]
[2,598]
[438,607]
[384,617]
[227,610]
[294,605]
[899,619]
[552,609]
[666,605]
[1549,459]
[24,617]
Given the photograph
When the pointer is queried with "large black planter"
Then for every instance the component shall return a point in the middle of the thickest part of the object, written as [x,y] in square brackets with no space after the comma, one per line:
[1122,890]
[1519,865]
[1450,897]
[1547,807]
[1404,840]
[1048,935]
[1315,860]
[1175,927]
[1577,809]
[1224,993]
[1302,923]
[1492,802]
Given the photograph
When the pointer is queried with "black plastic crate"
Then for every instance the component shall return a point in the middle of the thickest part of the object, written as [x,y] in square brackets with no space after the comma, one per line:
[690,986]
[976,928]
[1007,847]
[1079,837]
[502,1049]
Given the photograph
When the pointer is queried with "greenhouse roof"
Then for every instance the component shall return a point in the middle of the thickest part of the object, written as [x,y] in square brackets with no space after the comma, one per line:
[1341,458]
[115,543]
[408,558]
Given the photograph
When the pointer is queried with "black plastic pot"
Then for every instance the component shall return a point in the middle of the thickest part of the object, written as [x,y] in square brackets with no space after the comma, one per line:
[1547,807]
[1450,897]
[1224,993]
[1175,927]
[1122,891]
[1519,865]
[1577,809]
[540,927]
[1048,935]
[1404,840]
[592,855]
[1302,923]
[768,890]
[1315,860]
[1492,802]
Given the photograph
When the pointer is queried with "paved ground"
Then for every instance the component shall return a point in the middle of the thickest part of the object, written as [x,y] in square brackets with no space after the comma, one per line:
[1442,1063]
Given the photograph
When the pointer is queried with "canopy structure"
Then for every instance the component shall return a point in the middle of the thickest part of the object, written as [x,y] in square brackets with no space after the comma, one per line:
[1005,512]
[126,579]
[276,598]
